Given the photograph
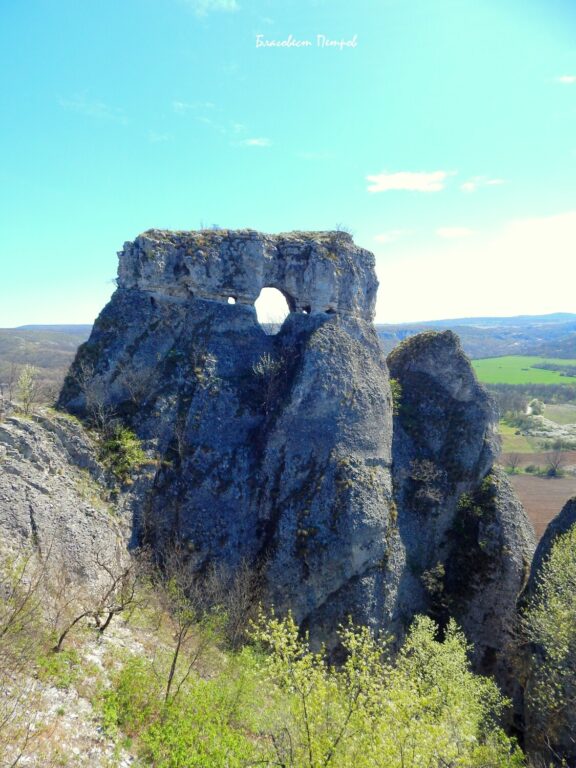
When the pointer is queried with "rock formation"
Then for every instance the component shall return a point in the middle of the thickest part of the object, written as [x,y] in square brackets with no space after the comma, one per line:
[277,450]
[50,486]
[274,450]
[467,539]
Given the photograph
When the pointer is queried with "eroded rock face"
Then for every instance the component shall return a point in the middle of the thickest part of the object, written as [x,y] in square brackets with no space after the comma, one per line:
[50,496]
[275,450]
[467,539]
[316,271]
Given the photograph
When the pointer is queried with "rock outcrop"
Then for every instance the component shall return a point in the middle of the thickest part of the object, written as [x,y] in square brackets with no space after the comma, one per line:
[467,540]
[51,501]
[276,450]
[316,271]
[273,449]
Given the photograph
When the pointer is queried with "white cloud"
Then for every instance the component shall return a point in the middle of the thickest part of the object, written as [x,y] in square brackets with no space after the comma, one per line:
[259,142]
[566,79]
[203,7]
[96,109]
[498,273]
[471,185]
[158,138]
[408,180]
[389,237]
[454,233]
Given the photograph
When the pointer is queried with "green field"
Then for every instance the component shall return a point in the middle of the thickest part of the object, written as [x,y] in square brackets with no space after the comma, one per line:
[516,369]
[561,414]
[513,443]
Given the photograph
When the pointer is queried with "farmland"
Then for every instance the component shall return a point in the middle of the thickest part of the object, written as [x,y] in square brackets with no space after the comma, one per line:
[561,414]
[519,369]
[543,498]
[513,441]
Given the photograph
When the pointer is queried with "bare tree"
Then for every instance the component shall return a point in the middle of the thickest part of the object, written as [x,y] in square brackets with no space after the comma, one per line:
[513,462]
[137,382]
[269,370]
[554,463]
[21,582]
[13,374]
[184,597]
[111,594]
[98,408]
[238,594]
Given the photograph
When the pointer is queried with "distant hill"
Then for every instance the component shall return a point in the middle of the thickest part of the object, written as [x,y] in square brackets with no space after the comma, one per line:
[516,321]
[50,348]
[553,335]
[73,329]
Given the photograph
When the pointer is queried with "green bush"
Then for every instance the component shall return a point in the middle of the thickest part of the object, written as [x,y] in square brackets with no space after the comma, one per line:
[122,453]
[279,703]
[549,624]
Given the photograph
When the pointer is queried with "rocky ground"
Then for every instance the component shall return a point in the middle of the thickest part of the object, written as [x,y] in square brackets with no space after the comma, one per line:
[66,726]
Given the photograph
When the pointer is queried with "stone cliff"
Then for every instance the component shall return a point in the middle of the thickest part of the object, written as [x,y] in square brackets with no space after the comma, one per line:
[467,539]
[275,450]
[280,450]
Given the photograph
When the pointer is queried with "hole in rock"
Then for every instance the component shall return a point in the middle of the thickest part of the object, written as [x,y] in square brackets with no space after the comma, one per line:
[231,300]
[271,309]
[306,310]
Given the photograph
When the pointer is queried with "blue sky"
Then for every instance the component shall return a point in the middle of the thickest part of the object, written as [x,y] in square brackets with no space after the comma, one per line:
[444,139]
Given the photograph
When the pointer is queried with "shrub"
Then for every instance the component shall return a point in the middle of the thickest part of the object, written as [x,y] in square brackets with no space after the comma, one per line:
[122,453]
[549,625]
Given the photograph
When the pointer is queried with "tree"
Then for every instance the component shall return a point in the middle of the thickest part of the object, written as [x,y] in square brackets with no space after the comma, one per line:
[268,370]
[425,709]
[21,634]
[113,591]
[28,388]
[513,462]
[184,598]
[549,628]
[536,407]
[554,463]
[100,412]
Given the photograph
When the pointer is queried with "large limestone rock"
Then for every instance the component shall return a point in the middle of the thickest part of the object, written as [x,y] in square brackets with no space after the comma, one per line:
[468,542]
[317,272]
[274,450]
[277,450]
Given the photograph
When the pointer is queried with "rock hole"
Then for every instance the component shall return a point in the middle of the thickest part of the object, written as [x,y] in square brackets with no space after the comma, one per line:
[271,309]
[231,300]
[306,310]
[330,311]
